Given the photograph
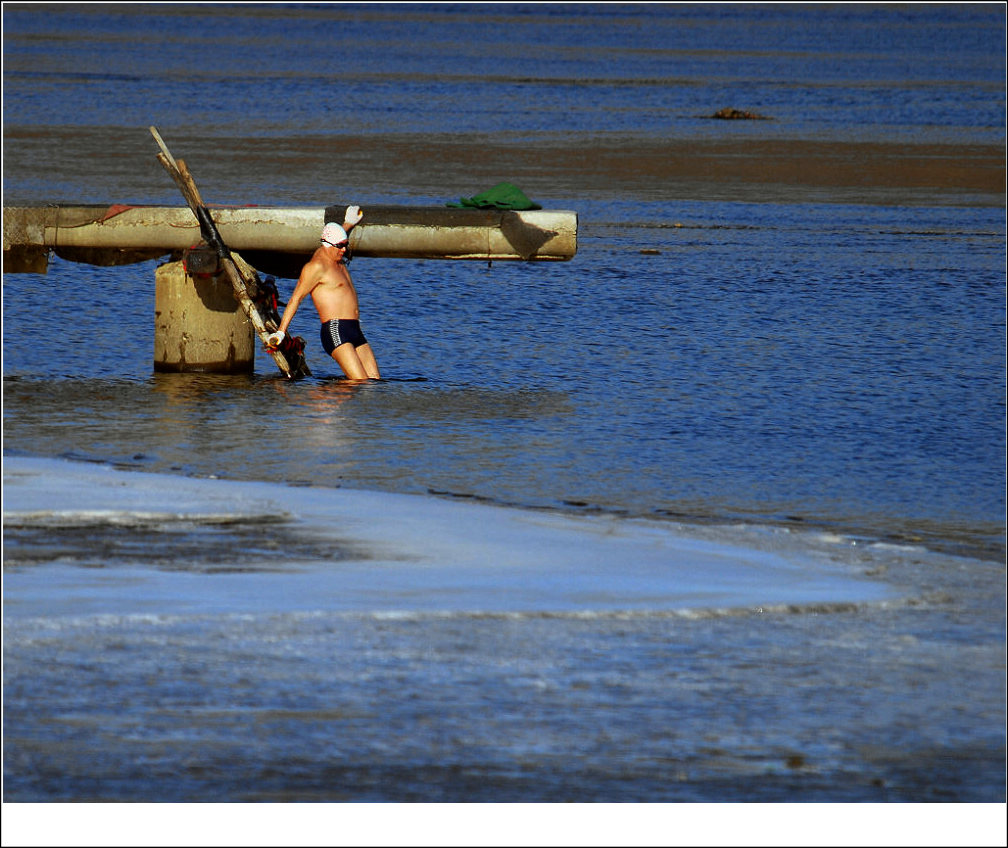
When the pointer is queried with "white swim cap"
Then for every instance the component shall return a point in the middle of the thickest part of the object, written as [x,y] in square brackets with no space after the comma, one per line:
[333,234]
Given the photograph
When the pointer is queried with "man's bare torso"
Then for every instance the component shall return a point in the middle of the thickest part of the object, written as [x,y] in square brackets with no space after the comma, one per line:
[333,294]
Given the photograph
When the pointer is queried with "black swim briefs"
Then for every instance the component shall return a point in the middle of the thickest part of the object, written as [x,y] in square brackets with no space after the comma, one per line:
[341,331]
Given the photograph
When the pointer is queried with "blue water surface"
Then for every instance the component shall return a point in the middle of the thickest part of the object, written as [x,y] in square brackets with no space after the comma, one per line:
[856,71]
[840,365]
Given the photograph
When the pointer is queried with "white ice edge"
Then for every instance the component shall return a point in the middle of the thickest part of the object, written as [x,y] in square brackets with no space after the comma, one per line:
[422,554]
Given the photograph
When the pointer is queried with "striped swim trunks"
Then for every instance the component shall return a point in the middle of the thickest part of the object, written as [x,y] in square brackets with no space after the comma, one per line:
[341,331]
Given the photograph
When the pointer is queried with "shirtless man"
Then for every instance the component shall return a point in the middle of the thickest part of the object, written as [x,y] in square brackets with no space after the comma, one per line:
[326,279]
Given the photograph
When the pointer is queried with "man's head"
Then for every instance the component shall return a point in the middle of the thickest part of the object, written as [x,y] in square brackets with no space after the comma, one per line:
[335,235]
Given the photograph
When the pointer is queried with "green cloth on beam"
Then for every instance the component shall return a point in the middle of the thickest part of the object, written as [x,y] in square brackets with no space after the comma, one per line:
[501,196]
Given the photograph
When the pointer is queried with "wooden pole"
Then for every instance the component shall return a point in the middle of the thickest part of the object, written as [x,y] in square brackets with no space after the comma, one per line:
[187,185]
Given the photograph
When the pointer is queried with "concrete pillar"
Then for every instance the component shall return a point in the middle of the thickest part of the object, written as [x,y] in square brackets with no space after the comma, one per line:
[198,324]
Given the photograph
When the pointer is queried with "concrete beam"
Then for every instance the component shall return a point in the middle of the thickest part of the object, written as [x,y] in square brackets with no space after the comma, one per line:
[120,233]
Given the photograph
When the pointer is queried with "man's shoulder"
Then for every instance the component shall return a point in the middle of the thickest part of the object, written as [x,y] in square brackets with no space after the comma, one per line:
[316,263]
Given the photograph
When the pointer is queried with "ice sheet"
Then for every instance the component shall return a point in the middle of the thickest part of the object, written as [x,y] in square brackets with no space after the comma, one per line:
[128,543]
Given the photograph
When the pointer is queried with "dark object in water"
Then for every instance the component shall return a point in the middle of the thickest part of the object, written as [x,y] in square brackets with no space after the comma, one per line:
[729,114]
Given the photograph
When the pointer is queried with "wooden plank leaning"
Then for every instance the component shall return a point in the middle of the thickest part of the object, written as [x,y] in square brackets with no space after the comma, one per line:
[291,362]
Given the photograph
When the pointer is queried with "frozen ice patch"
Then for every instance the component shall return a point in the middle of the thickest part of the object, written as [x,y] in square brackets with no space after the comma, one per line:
[85,539]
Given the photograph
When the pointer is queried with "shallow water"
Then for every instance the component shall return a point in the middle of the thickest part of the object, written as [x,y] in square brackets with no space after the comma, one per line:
[811,364]
[778,335]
